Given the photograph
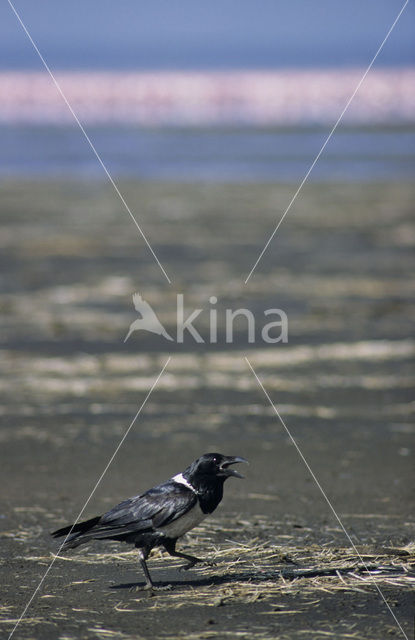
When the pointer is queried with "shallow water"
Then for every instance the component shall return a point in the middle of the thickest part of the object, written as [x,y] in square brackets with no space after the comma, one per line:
[213,155]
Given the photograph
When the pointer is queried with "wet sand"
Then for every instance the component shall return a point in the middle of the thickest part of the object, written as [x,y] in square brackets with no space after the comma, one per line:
[341,268]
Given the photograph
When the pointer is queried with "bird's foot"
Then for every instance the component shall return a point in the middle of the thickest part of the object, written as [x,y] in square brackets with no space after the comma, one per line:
[151,587]
[192,563]
[210,563]
[164,587]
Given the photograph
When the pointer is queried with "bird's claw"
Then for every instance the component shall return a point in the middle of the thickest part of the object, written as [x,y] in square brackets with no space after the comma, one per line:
[151,587]
[210,563]
[164,587]
[189,565]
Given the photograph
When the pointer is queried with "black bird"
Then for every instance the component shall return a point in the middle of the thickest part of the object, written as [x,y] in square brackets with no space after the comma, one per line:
[161,515]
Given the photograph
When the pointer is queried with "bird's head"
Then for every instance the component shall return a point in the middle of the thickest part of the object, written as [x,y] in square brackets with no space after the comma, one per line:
[214,465]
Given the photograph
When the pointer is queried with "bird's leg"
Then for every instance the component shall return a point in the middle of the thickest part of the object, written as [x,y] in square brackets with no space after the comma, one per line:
[149,585]
[170,546]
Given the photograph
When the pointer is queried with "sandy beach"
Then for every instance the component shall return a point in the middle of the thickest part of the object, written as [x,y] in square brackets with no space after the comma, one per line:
[341,268]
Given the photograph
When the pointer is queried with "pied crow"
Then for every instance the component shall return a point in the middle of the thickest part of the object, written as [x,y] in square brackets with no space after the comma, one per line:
[161,515]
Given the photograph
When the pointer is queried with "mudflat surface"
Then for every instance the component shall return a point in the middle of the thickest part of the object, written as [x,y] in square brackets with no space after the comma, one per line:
[341,268]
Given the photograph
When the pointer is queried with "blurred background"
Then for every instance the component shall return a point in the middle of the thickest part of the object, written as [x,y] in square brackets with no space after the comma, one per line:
[138,76]
[208,116]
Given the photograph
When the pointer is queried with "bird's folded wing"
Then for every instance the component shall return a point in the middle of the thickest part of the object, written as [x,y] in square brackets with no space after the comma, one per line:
[155,508]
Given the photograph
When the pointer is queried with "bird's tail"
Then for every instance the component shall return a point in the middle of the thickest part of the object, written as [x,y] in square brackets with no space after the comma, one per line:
[78,533]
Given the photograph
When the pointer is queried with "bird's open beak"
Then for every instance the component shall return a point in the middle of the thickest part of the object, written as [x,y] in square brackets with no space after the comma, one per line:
[231,472]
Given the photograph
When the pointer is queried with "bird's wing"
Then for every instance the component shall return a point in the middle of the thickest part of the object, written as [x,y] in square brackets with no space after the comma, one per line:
[155,508]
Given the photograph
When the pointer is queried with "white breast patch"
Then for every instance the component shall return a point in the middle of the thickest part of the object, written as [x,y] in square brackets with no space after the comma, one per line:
[182,525]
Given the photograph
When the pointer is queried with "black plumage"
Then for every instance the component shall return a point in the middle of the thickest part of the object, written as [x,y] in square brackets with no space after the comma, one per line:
[161,515]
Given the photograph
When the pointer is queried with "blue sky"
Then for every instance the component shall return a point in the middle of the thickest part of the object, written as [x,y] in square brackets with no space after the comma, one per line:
[219,34]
